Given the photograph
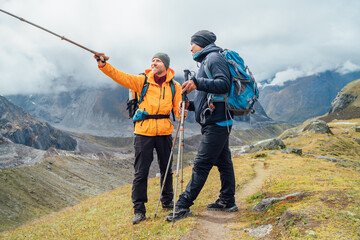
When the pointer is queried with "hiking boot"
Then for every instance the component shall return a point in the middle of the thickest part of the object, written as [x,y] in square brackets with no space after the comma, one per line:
[168,206]
[180,213]
[139,217]
[219,205]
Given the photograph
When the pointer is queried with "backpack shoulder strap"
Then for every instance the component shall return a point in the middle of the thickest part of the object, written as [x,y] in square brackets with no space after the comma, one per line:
[207,72]
[144,89]
[172,86]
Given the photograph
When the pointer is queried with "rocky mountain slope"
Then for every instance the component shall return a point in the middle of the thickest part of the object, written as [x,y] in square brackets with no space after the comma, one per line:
[92,111]
[20,127]
[305,97]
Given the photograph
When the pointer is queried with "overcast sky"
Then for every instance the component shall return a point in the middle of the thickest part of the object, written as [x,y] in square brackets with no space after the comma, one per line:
[281,38]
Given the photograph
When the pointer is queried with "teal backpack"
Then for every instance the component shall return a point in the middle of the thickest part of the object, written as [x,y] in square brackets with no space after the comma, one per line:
[244,91]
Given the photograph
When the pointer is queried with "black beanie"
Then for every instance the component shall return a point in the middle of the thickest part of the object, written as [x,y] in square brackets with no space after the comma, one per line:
[203,38]
[164,58]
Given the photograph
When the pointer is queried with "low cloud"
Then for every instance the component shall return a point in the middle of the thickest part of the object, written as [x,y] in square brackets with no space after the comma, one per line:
[348,67]
[280,38]
[287,75]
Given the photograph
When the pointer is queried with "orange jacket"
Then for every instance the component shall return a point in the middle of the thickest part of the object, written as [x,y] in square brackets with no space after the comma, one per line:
[157,100]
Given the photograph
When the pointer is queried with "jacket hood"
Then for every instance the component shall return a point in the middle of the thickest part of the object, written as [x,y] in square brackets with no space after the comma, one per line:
[170,73]
[208,49]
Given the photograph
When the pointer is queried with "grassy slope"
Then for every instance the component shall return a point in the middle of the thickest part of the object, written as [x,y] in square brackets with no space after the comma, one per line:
[353,109]
[353,88]
[330,209]
[28,193]
[108,216]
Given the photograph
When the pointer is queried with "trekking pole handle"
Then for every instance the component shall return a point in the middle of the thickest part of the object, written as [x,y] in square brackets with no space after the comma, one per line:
[186,74]
[186,77]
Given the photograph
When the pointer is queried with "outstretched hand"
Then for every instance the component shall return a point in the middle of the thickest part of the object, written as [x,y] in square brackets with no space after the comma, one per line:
[101,59]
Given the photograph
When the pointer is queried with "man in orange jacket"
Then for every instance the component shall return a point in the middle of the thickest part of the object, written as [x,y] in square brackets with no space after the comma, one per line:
[155,130]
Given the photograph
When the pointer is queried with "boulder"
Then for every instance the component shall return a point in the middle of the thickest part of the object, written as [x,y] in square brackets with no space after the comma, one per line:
[269,144]
[297,151]
[273,144]
[317,126]
[267,202]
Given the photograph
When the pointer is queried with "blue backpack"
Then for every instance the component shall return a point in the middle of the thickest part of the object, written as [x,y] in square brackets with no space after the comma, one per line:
[244,91]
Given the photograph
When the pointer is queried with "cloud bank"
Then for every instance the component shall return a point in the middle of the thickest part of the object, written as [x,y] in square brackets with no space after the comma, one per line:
[280,38]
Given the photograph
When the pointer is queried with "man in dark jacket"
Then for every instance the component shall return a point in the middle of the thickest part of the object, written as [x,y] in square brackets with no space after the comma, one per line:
[212,77]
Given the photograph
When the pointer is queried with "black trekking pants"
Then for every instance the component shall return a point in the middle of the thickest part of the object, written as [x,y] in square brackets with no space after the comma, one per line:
[213,151]
[144,147]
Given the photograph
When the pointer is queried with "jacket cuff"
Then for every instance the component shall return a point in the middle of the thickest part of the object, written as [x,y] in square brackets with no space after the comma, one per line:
[195,81]
[102,66]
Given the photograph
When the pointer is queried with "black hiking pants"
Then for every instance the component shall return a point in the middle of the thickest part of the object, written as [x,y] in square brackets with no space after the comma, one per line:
[213,151]
[144,147]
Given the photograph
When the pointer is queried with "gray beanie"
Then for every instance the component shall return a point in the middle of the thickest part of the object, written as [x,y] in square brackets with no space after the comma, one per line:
[164,58]
[203,38]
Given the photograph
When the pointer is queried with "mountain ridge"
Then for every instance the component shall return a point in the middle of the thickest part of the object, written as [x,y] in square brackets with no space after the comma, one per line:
[305,97]
[102,111]
[22,128]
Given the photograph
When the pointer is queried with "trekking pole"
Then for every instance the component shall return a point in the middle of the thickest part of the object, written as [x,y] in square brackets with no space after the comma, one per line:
[184,98]
[181,143]
[57,35]
[167,168]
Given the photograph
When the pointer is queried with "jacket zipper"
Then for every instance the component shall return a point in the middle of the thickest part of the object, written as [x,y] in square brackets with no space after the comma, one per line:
[163,99]
[158,112]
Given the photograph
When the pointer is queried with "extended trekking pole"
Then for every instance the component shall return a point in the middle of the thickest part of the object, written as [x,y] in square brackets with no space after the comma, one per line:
[181,144]
[168,166]
[184,98]
[57,35]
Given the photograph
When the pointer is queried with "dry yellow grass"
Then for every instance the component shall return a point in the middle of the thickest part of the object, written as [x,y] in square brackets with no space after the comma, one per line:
[108,216]
[330,208]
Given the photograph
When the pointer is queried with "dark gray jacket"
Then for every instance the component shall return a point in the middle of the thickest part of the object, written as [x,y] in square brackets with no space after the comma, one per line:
[220,84]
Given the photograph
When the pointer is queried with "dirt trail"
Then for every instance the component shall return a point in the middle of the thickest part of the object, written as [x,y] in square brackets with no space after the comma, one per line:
[215,225]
